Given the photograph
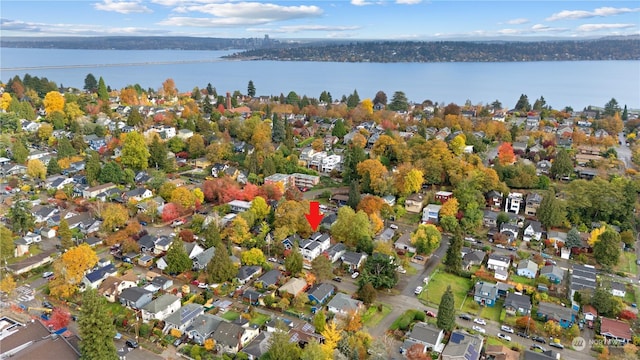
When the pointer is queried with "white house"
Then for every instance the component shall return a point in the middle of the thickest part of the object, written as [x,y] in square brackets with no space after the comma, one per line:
[239,205]
[514,202]
[312,248]
[527,268]
[533,231]
[161,307]
[431,213]
[330,163]
[618,289]
[498,262]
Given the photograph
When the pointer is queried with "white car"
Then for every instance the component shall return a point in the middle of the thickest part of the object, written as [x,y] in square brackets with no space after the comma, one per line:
[479,329]
[504,337]
[506,328]
[401,270]
[418,290]
[177,223]
[273,259]
[203,285]
[479,321]
[355,275]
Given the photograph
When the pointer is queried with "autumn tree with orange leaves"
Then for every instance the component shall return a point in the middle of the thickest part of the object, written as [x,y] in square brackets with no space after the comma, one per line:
[506,154]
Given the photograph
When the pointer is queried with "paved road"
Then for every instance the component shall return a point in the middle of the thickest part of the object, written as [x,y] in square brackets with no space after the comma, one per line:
[624,152]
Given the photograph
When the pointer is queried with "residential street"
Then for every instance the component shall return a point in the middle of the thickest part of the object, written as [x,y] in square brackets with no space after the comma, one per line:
[624,152]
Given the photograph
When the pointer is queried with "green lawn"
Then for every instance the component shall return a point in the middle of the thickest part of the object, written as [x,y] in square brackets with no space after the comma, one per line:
[627,263]
[260,319]
[492,313]
[495,341]
[372,316]
[523,280]
[630,296]
[230,315]
[438,285]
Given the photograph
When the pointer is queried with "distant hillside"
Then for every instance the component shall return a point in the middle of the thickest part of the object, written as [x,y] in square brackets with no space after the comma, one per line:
[451,51]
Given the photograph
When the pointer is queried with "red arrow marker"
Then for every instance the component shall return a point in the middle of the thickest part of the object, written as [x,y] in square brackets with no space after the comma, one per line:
[315,216]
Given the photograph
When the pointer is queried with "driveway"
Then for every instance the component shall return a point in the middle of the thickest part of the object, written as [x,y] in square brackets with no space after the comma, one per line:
[624,152]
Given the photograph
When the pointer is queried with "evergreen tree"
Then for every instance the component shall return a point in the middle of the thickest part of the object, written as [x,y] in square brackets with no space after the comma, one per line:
[339,129]
[354,195]
[96,328]
[64,233]
[92,169]
[562,165]
[288,135]
[523,103]
[625,113]
[212,236]
[207,107]
[399,102]
[380,98]
[90,83]
[19,151]
[606,250]
[611,107]
[134,118]
[367,293]
[158,154]
[221,268]
[251,89]
[452,260]
[446,311]
[573,239]
[21,218]
[53,168]
[551,211]
[177,258]
[278,131]
[103,94]
[211,90]
[353,100]
[65,149]
[352,157]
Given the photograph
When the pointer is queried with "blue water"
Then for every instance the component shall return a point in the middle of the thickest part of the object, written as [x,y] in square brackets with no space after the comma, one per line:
[577,84]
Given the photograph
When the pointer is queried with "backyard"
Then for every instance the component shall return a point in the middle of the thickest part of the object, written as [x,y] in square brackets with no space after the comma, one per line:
[374,315]
[492,313]
[627,263]
[438,285]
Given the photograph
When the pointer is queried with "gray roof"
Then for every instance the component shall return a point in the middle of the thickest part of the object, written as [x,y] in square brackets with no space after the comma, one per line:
[536,226]
[617,286]
[247,271]
[528,264]
[160,303]
[352,258]
[425,333]
[502,258]
[228,334]
[463,345]
[258,346]
[555,311]
[321,291]
[476,256]
[583,277]
[133,294]
[552,269]
[185,314]
[271,277]
[205,324]
[160,280]
[201,260]
[344,302]
[486,290]
[518,301]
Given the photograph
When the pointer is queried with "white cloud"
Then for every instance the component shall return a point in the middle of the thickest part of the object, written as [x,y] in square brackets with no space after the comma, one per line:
[408,2]
[598,27]
[122,7]
[518,21]
[583,14]
[361,2]
[46,29]
[253,11]
[303,28]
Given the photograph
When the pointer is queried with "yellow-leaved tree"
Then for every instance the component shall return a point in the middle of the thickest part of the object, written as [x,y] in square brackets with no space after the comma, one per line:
[7,284]
[5,101]
[209,344]
[331,335]
[449,208]
[53,101]
[595,234]
[181,195]
[36,169]
[254,256]
[114,216]
[69,270]
[367,105]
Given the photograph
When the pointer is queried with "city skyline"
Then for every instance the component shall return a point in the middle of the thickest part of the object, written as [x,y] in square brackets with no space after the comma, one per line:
[354,19]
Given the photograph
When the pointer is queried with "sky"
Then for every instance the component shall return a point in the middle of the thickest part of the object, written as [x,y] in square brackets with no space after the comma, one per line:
[324,19]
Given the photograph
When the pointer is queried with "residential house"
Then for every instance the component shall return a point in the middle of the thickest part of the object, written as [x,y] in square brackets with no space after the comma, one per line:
[532,204]
[582,278]
[413,203]
[517,304]
[147,243]
[183,317]
[162,282]
[135,297]
[443,196]
[320,293]
[31,238]
[500,274]
[42,214]
[201,260]
[489,218]
[513,203]
[193,249]
[501,352]
[527,268]
[463,346]
[112,286]
[544,355]
[389,200]
[258,346]
[498,262]
[533,231]
[34,340]
[565,316]
[510,230]
[618,289]
[22,248]
[386,235]
[543,167]
[303,181]
[427,335]
[615,330]
[93,279]
[203,327]
[485,294]
[475,257]
[247,272]
[314,246]
[7,170]
[343,304]
[270,278]
[230,337]
[494,200]
[239,206]
[353,260]
[252,297]
[92,192]
[431,213]
[404,243]
[282,180]
[162,245]
[293,287]
[185,134]
[554,273]
[138,194]
[589,312]
[335,252]
[161,307]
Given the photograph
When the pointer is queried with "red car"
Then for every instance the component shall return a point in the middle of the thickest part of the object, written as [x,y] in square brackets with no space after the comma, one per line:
[430,313]
[195,282]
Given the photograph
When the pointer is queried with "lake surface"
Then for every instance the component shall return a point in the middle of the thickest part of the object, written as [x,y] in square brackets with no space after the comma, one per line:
[577,84]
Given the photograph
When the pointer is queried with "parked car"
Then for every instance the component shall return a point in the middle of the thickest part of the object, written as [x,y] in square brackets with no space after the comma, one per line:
[177,222]
[504,337]
[401,270]
[195,282]
[143,223]
[393,226]
[479,329]
[523,334]
[539,339]
[418,258]
[203,285]
[500,246]
[132,344]
[465,317]
[337,279]
[177,342]
[430,313]
[47,274]
[556,345]
[506,328]
[479,321]
[355,275]
[512,248]
[418,290]
[272,259]
[537,347]
[47,305]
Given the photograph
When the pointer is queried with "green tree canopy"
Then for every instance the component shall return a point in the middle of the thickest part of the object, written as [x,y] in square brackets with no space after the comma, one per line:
[562,165]
[221,268]
[399,102]
[379,271]
[607,248]
[96,328]
[178,260]
[446,311]
[453,260]
[426,239]
[135,153]
[293,262]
